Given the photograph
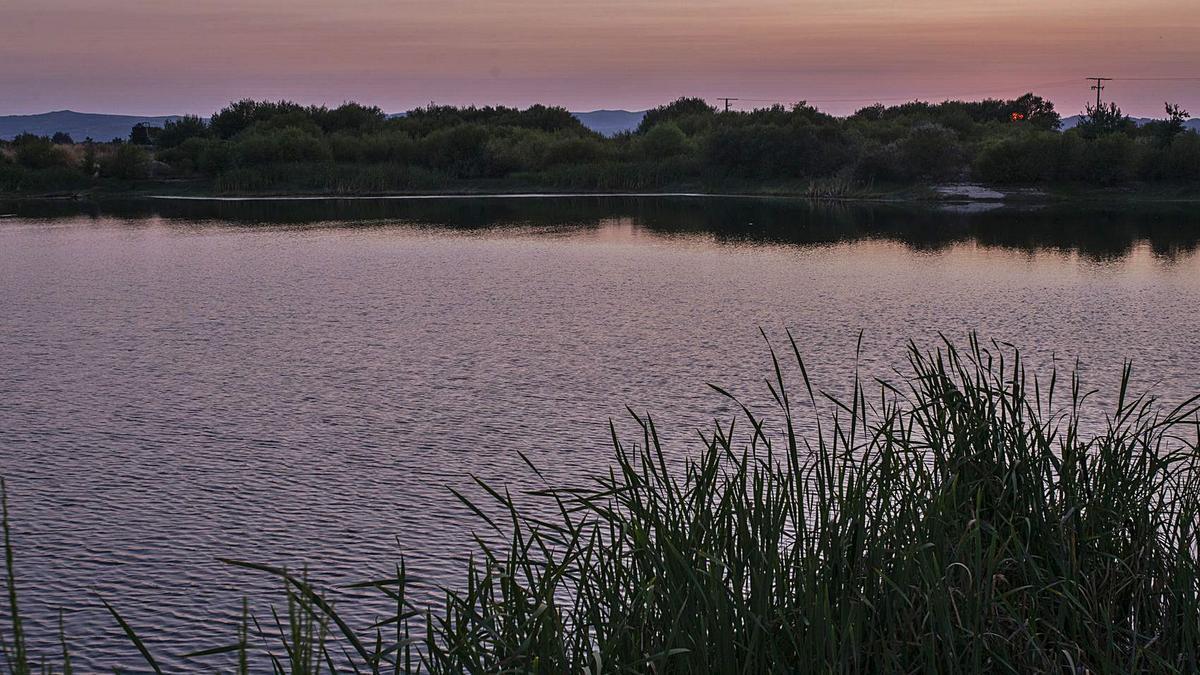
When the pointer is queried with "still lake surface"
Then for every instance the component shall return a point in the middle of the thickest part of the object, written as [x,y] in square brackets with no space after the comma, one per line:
[301,383]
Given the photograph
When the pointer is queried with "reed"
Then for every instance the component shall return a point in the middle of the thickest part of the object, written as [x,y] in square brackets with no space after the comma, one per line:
[962,520]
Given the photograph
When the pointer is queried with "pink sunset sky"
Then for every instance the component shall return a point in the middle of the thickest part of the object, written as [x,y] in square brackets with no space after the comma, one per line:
[173,56]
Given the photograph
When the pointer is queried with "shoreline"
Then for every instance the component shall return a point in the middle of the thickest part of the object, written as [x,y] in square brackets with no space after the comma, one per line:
[975,195]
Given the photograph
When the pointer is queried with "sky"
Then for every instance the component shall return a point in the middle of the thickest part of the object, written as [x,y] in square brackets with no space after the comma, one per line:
[156,57]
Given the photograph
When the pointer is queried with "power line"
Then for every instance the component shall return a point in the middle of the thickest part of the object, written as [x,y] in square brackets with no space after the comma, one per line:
[958,95]
[1099,87]
[906,97]
[1153,79]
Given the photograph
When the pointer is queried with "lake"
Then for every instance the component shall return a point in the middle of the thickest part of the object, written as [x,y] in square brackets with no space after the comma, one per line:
[303,382]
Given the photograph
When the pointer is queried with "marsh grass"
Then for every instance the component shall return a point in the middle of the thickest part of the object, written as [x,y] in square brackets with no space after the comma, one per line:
[962,520]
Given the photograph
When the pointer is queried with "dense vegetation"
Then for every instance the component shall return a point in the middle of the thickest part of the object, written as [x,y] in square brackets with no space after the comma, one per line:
[262,146]
[963,521]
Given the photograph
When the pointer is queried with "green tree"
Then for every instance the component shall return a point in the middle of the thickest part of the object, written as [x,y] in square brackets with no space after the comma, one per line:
[129,162]
[1023,158]
[1104,119]
[664,140]
[90,164]
[175,132]
[38,152]
[143,134]
[685,112]
[932,151]
[1037,111]
[350,116]
[241,115]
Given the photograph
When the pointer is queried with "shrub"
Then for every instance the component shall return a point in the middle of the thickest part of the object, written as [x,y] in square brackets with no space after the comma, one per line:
[215,156]
[572,150]
[1181,160]
[280,145]
[241,115]
[690,114]
[517,151]
[388,146]
[345,147]
[663,140]
[37,152]
[352,117]
[774,152]
[1106,160]
[1025,158]
[176,132]
[128,162]
[879,161]
[458,150]
[931,151]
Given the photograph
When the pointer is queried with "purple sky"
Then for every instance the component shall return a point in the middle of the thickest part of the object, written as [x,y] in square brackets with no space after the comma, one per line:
[175,56]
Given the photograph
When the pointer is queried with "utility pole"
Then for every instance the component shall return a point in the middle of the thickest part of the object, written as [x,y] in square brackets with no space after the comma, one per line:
[1099,86]
[727,100]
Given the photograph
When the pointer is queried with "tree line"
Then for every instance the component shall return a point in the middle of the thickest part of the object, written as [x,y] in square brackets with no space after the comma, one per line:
[281,146]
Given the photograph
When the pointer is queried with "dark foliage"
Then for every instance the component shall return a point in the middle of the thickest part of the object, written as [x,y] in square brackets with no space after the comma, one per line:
[686,144]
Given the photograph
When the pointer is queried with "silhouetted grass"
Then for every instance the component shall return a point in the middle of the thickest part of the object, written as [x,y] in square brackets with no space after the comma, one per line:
[961,520]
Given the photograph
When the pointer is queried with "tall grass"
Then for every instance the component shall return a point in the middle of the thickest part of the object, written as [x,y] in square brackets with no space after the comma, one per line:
[963,520]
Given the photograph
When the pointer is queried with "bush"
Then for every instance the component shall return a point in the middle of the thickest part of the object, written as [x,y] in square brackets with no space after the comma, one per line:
[241,115]
[518,151]
[663,140]
[215,156]
[345,147]
[572,150]
[1105,160]
[690,114]
[37,152]
[176,132]
[17,179]
[1026,158]
[280,145]
[129,162]
[774,152]
[351,117]
[388,146]
[458,150]
[879,161]
[1181,160]
[932,152]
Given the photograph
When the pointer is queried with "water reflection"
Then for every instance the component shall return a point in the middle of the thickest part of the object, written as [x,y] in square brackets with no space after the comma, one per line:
[301,383]
[1098,232]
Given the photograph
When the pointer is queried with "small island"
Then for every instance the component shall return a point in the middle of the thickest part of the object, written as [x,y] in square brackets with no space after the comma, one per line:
[1017,148]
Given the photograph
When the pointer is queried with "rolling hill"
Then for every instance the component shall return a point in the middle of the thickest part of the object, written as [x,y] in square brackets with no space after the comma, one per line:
[99,127]
[610,122]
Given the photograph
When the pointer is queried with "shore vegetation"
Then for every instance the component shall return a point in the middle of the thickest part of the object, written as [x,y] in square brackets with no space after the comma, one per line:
[281,147]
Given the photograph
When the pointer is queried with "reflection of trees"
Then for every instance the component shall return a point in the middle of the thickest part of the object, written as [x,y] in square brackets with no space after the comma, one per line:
[1095,233]
[1098,233]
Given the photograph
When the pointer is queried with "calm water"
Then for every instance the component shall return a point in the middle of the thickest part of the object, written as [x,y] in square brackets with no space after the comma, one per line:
[301,383]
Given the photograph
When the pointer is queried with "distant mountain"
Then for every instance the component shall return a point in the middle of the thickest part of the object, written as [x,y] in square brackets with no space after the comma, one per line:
[1073,121]
[610,122]
[96,126]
